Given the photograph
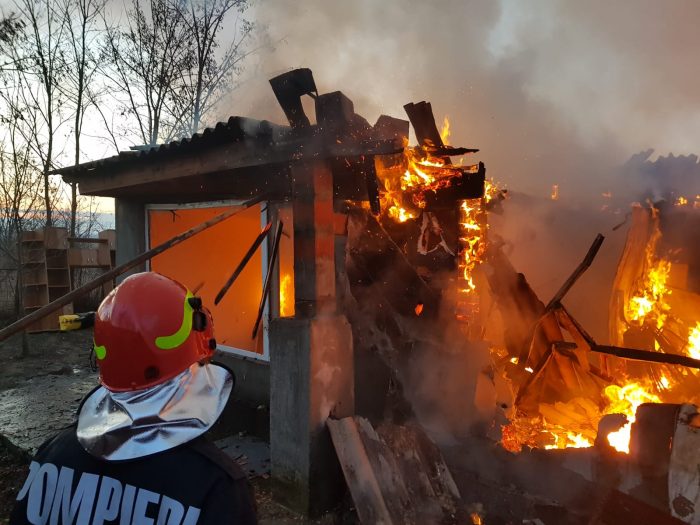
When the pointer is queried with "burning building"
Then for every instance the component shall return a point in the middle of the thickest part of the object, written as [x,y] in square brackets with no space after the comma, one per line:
[384,274]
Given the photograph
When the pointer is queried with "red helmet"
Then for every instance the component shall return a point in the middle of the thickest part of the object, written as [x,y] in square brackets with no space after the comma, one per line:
[149,329]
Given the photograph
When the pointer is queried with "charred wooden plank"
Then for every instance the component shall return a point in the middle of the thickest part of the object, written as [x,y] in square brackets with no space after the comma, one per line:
[388,128]
[359,474]
[423,120]
[396,474]
[268,277]
[242,264]
[577,273]
[447,151]
[372,187]
[289,87]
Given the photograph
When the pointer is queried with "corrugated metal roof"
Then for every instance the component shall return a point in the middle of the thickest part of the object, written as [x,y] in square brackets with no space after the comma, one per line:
[233,130]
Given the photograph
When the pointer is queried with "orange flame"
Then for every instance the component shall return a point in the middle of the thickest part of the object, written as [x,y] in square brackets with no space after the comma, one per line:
[286,296]
[693,347]
[649,302]
[566,439]
[445,131]
[625,400]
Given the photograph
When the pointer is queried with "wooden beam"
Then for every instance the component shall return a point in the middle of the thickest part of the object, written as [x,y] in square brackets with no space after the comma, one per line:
[110,275]
[577,273]
[241,265]
[647,355]
[423,120]
[268,276]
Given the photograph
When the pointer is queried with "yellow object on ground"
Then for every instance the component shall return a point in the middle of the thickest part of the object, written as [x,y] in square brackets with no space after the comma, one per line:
[76,321]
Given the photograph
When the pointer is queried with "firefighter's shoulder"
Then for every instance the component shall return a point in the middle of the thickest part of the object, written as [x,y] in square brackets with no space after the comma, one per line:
[211,452]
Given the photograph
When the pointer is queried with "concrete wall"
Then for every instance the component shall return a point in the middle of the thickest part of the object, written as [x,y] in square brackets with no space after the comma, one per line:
[130,224]
[252,377]
[248,409]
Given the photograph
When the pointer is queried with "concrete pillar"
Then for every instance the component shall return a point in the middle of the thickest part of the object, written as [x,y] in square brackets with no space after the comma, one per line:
[130,225]
[311,356]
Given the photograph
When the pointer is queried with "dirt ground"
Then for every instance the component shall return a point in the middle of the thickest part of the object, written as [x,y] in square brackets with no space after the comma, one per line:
[39,395]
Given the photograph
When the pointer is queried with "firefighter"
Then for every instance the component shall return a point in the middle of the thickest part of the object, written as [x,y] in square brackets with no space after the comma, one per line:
[137,454]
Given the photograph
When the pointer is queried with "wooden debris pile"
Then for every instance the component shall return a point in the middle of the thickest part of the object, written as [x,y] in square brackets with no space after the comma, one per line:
[395,474]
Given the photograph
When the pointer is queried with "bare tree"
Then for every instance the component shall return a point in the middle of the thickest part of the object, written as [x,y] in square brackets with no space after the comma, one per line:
[81,21]
[171,66]
[212,70]
[39,68]
[145,62]
[20,198]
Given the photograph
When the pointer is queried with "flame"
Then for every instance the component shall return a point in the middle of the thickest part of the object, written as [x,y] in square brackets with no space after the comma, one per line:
[471,225]
[286,296]
[648,303]
[693,347]
[445,131]
[405,186]
[419,308]
[476,518]
[472,235]
[625,400]
[681,201]
[567,439]
[404,194]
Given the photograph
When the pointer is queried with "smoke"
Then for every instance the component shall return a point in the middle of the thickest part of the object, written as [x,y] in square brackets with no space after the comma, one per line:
[552,92]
